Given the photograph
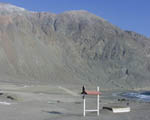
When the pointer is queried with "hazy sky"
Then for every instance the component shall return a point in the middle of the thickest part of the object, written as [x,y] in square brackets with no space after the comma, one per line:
[131,15]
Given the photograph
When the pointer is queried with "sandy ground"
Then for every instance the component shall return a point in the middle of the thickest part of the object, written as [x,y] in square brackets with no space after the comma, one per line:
[53,102]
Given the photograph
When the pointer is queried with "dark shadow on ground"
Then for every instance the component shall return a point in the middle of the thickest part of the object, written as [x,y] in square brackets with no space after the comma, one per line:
[53,112]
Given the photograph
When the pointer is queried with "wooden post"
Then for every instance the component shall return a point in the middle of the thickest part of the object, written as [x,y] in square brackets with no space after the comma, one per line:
[84,107]
[98,101]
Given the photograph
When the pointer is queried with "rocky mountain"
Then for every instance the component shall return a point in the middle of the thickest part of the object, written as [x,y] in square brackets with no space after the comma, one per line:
[74,47]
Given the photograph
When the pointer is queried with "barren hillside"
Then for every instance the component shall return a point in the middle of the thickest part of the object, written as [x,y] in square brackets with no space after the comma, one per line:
[74,47]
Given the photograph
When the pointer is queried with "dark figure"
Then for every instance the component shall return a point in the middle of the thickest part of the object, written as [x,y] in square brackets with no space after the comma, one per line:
[83,90]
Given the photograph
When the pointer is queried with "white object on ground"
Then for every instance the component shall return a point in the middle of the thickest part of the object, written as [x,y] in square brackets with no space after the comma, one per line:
[118,109]
[5,103]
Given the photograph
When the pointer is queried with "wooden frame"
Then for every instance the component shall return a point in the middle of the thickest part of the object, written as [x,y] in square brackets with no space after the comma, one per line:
[97,93]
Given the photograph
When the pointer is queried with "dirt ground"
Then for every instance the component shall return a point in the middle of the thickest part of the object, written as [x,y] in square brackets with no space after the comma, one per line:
[54,102]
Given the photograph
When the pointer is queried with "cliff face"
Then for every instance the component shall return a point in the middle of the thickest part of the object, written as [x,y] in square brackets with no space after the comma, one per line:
[74,47]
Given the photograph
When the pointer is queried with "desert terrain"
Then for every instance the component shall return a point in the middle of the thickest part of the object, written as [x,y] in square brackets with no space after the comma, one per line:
[54,102]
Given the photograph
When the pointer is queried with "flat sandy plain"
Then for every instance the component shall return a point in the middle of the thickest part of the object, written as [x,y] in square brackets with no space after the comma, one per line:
[55,102]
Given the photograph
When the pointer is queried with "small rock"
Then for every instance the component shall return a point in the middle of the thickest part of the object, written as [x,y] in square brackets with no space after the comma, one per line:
[10,97]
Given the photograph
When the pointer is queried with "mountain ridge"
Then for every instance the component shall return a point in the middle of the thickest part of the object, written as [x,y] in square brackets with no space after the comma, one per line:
[74,47]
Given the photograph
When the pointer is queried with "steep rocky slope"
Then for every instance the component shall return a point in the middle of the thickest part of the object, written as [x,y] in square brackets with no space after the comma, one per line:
[74,47]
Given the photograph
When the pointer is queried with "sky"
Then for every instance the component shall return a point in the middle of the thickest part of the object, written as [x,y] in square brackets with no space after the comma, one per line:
[130,15]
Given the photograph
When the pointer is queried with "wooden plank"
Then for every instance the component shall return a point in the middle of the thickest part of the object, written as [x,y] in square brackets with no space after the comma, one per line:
[118,109]
[93,92]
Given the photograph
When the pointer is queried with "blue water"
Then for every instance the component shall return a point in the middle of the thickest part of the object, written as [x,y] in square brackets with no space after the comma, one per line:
[142,96]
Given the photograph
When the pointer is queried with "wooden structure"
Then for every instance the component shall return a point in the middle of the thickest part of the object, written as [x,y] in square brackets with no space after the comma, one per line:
[84,93]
